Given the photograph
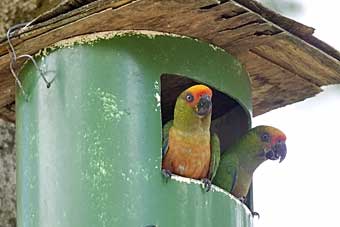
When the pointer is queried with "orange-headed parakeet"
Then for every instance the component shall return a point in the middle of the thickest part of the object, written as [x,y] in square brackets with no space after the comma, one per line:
[241,159]
[189,149]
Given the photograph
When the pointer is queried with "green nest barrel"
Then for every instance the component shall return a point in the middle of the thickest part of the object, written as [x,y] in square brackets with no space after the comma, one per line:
[89,146]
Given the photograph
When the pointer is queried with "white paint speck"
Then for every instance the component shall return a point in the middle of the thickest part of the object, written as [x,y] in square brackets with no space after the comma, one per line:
[157,96]
[158,99]
[91,39]
[110,104]
[102,170]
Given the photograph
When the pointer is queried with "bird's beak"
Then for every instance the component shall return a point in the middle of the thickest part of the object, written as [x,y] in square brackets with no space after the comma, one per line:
[204,105]
[278,151]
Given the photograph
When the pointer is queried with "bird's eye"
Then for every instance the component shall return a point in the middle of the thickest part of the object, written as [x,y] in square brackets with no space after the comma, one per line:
[189,98]
[265,137]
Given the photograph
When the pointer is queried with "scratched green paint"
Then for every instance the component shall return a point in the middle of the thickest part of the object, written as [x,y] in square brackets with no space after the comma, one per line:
[89,147]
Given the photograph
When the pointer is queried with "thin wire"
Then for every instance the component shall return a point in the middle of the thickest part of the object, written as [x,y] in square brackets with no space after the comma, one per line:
[14,59]
[17,80]
[48,83]
[9,31]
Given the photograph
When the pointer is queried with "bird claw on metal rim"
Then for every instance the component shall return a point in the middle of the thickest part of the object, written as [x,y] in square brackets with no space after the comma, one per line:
[206,184]
[243,199]
[166,173]
[254,213]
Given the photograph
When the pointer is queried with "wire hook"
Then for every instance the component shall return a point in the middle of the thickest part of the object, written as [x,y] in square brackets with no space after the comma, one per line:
[14,58]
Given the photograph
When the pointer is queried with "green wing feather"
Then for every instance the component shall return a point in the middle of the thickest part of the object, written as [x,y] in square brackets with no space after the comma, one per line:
[165,136]
[166,129]
[226,175]
[215,155]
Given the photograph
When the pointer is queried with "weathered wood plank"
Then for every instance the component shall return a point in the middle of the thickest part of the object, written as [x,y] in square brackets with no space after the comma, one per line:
[300,58]
[286,23]
[274,86]
[244,44]
[7,90]
[60,20]
[300,30]
[160,18]
[62,8]
[227,37]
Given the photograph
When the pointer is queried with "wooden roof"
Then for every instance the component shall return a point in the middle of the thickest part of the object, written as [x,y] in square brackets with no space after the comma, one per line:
[285,61]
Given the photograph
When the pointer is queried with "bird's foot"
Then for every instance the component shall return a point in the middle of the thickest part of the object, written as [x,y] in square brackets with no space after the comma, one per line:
[206,184]
[243,199]
[254,213]
[166,173]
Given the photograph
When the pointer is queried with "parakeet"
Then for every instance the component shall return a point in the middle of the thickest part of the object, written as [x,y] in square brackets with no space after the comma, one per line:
[189,149]
[239,162]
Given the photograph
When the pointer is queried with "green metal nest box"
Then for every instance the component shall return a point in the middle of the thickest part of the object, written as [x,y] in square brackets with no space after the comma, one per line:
[89,146]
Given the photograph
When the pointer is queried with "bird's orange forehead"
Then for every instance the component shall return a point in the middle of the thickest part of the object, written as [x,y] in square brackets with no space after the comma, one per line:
[277,134]
[199,90]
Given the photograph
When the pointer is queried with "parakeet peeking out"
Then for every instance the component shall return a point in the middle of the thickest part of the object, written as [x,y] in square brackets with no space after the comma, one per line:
[188,148]
[239,162]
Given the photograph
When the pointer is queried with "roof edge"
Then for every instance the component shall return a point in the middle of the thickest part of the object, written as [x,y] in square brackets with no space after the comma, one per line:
[294,27]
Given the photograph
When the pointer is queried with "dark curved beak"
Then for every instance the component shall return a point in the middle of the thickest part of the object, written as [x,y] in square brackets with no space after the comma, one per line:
[278,151]
[204,105]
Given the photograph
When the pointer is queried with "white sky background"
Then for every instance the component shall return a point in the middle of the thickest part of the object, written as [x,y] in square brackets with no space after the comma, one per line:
[304,190]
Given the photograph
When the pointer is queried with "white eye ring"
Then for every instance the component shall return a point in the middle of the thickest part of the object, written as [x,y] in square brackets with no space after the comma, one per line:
[189,97]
